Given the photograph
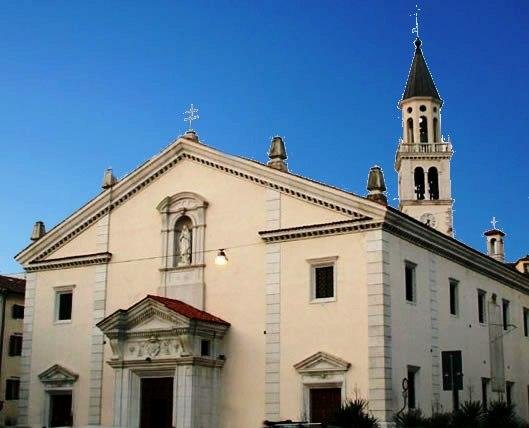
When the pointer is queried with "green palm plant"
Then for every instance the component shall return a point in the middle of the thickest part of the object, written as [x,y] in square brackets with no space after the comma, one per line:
[354,414]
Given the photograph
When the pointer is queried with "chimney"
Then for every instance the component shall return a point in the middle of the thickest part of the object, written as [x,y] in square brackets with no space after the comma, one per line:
[376,187]
[38,231]
[495,246]
[108,179]
[277,154]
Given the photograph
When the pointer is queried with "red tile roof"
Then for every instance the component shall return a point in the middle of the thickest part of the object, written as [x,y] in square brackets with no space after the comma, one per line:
[187,310]
[13,285]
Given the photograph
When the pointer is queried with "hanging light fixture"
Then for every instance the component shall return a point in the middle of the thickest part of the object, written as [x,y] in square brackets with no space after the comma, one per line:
[221,259]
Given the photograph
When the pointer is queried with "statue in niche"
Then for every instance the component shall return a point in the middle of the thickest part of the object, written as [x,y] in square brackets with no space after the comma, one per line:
[183,240]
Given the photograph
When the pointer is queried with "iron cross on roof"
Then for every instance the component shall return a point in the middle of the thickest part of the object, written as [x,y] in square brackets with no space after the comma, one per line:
[191,116]
[493,222]
[415,29]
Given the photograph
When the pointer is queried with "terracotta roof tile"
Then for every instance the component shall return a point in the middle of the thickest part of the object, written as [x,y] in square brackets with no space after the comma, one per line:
[187,310]
[14,285]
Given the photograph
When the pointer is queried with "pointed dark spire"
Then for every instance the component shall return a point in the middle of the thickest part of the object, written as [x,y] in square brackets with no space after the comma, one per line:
[420,82]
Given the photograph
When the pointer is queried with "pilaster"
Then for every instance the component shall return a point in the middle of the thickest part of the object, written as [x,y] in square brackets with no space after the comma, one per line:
[273,310]
[379,326]
[98,313]
[434,317]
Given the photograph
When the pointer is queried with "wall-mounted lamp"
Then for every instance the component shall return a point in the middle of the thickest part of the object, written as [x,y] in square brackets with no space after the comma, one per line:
[221,259]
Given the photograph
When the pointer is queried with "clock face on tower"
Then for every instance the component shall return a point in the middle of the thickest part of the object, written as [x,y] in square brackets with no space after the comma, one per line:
[428,219]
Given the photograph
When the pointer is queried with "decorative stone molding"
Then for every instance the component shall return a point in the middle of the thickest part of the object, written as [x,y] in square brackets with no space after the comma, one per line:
[321,364]
[69,262]
[317,230]
[58,377]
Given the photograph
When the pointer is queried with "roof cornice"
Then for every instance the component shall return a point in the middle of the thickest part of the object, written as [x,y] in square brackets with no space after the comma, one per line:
[296,186]
[412,230]
[68,262]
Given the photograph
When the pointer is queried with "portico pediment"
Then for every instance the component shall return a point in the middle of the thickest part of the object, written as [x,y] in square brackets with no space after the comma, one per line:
[322,363]
[160,328]
[58,376]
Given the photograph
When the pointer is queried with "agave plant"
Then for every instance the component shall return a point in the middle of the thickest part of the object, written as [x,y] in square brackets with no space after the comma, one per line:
[413,418]
[439,420]
[470,415]
[354,414]
[500,414]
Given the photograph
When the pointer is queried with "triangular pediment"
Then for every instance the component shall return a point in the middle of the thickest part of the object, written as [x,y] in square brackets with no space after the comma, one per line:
[58,374]
[296,186]
[322,362]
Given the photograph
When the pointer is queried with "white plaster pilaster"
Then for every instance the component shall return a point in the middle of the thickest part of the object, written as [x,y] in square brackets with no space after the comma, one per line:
[434,316]
[273,310]
[98,313]
[379,325]
[25,362]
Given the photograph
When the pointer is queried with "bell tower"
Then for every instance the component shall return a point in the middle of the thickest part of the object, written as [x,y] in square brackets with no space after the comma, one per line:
[423,156]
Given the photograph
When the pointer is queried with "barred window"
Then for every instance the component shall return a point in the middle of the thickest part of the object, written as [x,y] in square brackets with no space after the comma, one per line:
[324,282]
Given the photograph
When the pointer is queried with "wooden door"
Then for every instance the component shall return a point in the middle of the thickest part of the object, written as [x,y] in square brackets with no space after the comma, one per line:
[323,403]
[156,410]
[61,410]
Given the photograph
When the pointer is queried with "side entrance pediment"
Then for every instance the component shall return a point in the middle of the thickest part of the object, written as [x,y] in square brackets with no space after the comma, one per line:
[58,376]
[322,363]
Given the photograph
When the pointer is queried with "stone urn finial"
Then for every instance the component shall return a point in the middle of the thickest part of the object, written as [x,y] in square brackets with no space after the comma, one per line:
[277,154]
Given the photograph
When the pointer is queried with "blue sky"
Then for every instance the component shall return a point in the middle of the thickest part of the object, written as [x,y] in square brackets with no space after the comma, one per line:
[87,85]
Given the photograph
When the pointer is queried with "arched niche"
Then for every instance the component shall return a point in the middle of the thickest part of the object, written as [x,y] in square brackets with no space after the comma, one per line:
[418,178]
[187,209]
[433,183]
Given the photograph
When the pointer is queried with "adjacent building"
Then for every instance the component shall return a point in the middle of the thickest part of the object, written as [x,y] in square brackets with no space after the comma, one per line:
[11,315]
[209,290]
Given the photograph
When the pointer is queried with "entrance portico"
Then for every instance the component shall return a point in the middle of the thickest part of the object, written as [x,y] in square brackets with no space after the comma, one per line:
[167,356]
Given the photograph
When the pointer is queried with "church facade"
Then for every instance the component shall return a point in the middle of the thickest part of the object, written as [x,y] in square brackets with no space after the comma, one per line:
[209,290]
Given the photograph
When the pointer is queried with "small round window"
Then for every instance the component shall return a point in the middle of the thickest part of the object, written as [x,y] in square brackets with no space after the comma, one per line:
[410,109]
[435,109]
[422,108]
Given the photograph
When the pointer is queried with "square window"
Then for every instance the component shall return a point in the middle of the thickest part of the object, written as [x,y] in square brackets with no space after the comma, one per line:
[15,345]
[454,297]
[481,306]
[506,314]
[63,308]
[410,279]
[17,312]
[12,389]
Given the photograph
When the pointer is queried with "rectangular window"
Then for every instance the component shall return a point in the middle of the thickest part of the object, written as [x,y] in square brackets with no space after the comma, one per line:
[64,305]
[412,386]
[205,346]
[484,391]
[506,315]
[15,345]
[526,322]
[508,392]
[17,312]
[481,306]
[323,279]
[12,389]
[454,298]
[410,274]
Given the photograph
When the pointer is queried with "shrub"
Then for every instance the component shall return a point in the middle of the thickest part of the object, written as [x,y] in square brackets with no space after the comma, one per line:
[354,414]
